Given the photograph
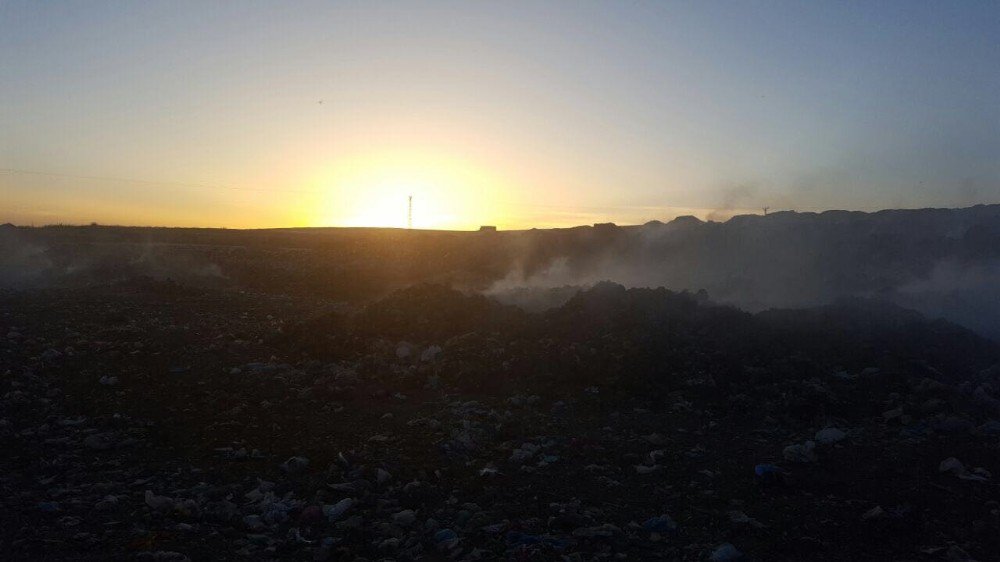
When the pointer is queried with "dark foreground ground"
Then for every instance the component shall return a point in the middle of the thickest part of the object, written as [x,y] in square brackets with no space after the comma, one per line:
[147,419]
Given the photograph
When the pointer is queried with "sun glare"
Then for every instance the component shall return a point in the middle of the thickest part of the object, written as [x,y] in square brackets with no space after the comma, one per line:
[385,205]
[374,191]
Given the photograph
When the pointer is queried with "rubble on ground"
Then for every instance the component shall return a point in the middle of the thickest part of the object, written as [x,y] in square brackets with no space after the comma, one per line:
[637,424]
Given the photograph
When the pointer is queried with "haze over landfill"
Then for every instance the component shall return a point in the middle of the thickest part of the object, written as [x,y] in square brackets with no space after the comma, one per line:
[568,281]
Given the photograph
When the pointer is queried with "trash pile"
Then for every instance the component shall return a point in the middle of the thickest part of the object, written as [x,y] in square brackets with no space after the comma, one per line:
[224,423]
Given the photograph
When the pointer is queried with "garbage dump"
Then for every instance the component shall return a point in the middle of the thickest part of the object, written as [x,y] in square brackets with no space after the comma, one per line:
[433,424]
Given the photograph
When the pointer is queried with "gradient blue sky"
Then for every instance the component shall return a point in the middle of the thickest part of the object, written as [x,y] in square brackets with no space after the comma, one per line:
[510,113]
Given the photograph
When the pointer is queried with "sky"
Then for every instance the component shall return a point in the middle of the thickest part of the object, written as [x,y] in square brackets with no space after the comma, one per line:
[515,114]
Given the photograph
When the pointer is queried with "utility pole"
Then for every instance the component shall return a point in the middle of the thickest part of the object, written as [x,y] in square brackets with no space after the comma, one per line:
[765,210]
[409,212]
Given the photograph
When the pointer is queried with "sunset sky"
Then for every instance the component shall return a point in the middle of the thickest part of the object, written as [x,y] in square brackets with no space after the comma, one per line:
[519,114]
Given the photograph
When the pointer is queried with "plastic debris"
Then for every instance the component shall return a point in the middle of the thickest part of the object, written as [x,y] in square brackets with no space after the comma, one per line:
[726,552]
[660,524]
[953,466]
[830,435]
[800,453]
[337,510]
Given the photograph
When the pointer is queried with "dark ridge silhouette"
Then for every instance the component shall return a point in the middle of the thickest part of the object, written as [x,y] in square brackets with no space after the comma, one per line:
[942,262]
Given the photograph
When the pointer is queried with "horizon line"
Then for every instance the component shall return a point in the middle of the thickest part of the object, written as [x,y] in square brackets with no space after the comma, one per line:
[770,212]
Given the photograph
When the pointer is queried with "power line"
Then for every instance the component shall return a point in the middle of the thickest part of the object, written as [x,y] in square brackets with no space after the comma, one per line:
[148,182]
[235,188]
[314,192]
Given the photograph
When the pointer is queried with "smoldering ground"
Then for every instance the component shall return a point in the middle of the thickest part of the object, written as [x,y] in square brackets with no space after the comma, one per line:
[938,261]
[32,258]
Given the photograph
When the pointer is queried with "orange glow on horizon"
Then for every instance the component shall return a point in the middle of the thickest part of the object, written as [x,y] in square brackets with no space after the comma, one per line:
[372,191]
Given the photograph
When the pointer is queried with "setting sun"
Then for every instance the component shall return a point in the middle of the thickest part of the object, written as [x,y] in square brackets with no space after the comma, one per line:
[531,280]
[373,191]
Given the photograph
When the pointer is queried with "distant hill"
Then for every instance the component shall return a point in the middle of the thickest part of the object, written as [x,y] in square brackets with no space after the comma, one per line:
[942,262]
